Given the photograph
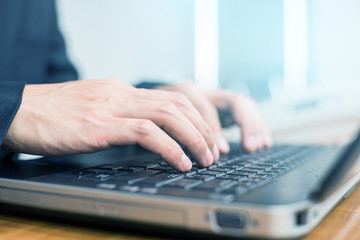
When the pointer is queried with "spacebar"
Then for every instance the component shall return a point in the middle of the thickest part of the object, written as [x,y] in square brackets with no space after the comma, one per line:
[161,179]
[135,177]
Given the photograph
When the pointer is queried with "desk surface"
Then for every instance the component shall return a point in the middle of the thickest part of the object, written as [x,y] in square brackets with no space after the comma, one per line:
[341,223]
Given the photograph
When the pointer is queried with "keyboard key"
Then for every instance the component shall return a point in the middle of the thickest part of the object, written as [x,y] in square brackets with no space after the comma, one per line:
[216,185]
[265,166]
[272,172]
[191,172]
[235,166]
[160,167]
[109,167]
[281,169]
[95,177]
[254,170]
[133,169]
[99,171]
[222,169]
[245,173]
[198,168]
[148,190]
[109,186]
[266,176]
[213,173]
[136,176]
[160,179]
[235,177]
[202,177]
[185,183]
[146,165]
[129,188]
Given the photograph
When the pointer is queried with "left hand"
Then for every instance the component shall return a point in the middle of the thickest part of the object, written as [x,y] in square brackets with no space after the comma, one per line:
[237,109]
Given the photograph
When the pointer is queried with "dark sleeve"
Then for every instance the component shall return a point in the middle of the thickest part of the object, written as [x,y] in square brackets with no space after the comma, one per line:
[10,99]
[60,68]
[149,85]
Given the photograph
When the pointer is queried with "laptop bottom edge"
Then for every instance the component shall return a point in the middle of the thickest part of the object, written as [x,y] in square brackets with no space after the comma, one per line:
[210,219]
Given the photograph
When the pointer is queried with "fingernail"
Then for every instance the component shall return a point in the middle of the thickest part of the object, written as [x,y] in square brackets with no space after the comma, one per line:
[209,159]
[252,141]
[187,165]
[223,145]
[268,141]
[259,141]
[215,153]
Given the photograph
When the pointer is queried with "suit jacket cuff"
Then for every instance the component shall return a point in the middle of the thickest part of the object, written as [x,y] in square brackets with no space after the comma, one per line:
[10,99]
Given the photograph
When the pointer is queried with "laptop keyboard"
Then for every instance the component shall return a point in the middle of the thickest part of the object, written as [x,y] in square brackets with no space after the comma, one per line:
[234,174]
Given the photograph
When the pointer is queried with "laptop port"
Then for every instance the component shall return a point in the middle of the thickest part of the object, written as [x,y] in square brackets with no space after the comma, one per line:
[301,218]
[231,220]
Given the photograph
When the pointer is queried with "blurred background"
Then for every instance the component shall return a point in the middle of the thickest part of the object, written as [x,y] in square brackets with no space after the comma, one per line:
[299,59]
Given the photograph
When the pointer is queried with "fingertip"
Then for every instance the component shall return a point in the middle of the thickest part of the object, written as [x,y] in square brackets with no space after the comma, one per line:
[250,143]
[260,141]
[215,153]
[186,163]
[268,140]
[223,145]
[209,159]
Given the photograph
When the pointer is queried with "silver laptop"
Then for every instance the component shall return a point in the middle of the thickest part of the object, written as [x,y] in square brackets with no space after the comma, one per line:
[280,192]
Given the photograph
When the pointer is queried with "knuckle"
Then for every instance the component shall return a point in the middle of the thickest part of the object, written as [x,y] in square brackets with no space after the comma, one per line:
[180,99]
[198,141]
[211,110]
[144,127]
[97,141]
[167,109]
[89,115]
[207,134]
[172,149]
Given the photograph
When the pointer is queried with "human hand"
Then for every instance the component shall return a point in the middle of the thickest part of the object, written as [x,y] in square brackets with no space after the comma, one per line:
[92,115]
[235,108]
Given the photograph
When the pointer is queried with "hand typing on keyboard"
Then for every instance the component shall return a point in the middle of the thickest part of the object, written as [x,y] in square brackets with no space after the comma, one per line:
[92,115]
[231,108]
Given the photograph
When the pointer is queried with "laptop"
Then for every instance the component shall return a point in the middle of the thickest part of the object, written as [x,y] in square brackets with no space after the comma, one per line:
[276,193]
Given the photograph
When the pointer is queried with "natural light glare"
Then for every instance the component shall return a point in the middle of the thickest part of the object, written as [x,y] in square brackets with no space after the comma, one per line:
[206,44]
[295,46]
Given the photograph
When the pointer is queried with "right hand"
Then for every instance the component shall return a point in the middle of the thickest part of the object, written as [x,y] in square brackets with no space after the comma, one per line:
[92,115]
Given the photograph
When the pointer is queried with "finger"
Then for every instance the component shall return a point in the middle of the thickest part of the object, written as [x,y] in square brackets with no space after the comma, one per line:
[207,116]
[188,109]
[167,116]
[148,135]
[254,132]
[209,112]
